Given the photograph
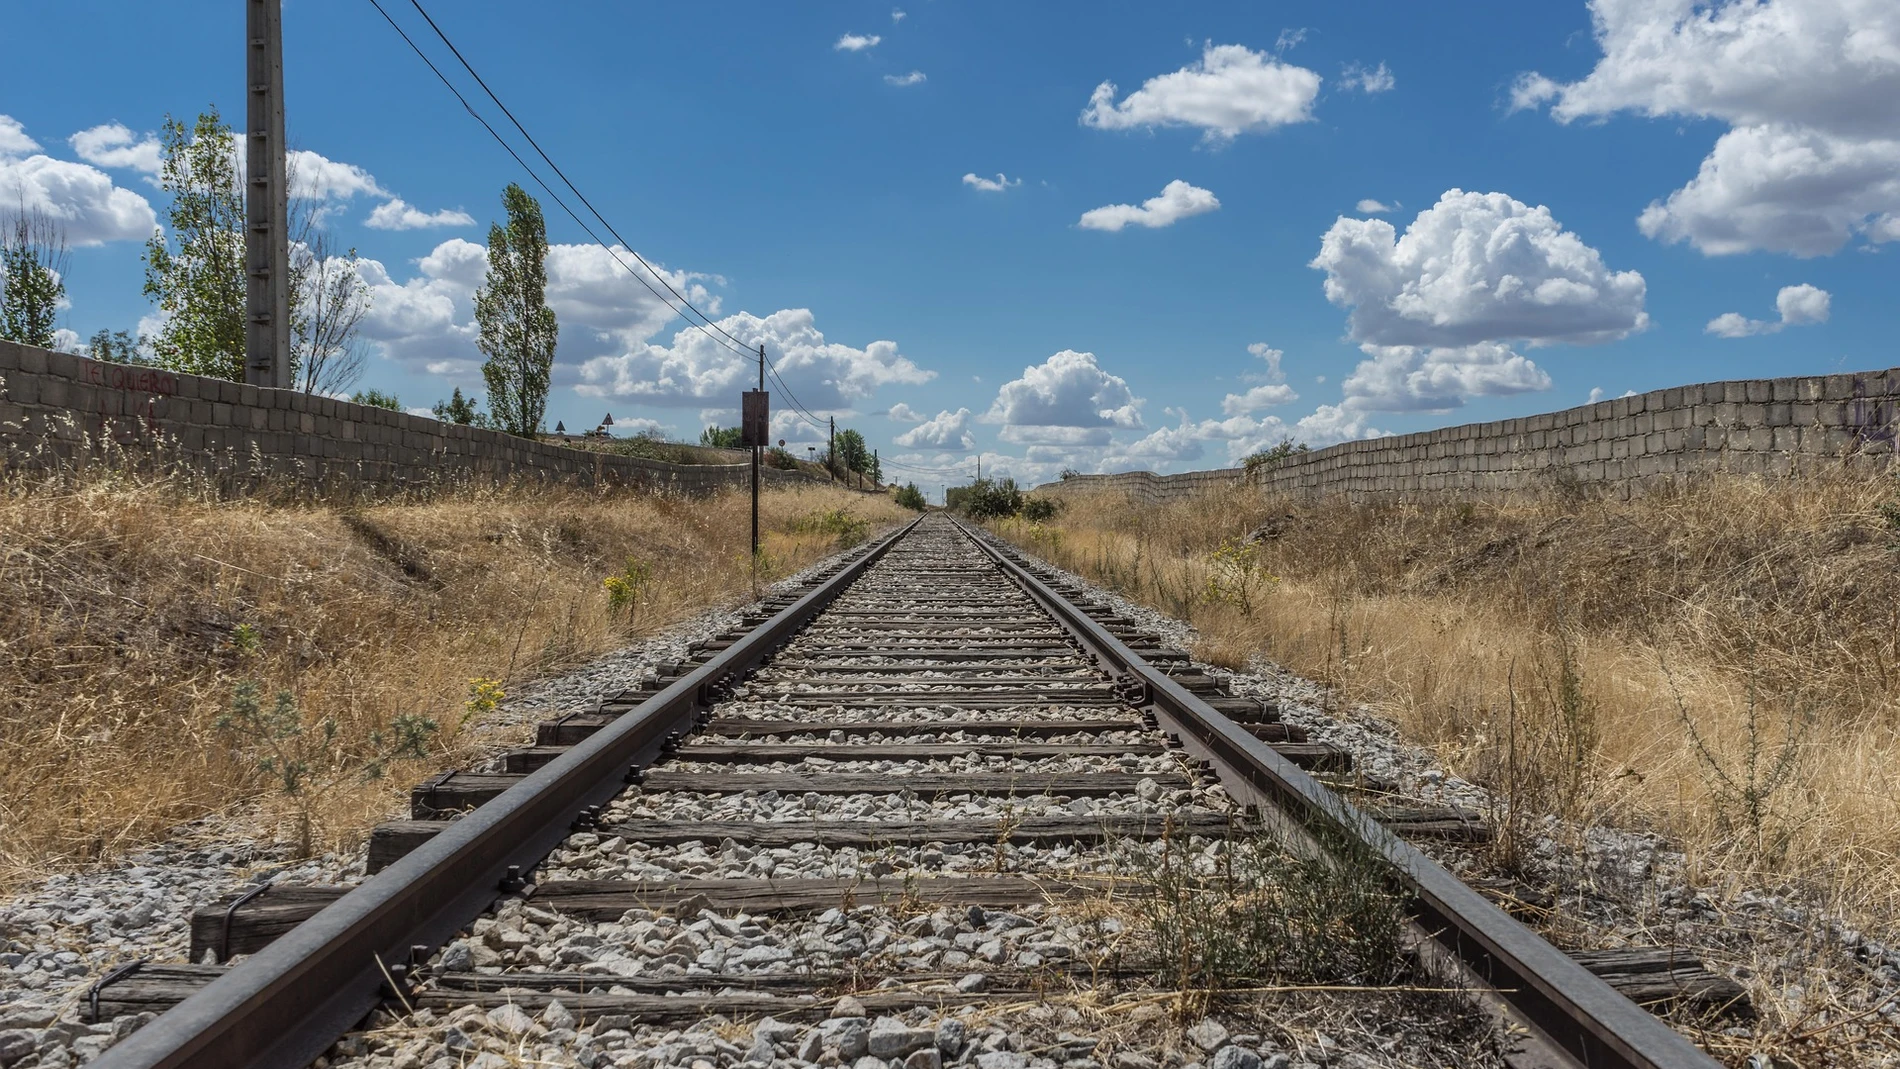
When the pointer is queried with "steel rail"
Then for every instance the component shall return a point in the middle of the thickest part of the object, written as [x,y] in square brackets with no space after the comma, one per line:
[1575,1014]
[284,1006]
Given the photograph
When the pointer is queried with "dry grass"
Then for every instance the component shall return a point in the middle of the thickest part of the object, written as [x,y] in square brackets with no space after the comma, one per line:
[127,608]
[1722,664]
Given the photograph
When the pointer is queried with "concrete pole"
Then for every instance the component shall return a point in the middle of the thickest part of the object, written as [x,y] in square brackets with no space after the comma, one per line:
[266,201]
[831,458]
[756,450]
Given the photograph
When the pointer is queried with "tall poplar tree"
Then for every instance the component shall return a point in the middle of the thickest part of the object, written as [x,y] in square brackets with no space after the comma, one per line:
[194,268]
[518,329]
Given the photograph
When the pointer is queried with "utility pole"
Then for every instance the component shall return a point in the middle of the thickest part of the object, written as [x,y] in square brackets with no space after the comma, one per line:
[266,201]
[979,467]
[876,469]
[831,458]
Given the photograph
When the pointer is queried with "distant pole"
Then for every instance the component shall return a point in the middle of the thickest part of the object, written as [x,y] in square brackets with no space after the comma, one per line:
[266,201]
[831,456]
[756,450]
[979,467]
[877,468]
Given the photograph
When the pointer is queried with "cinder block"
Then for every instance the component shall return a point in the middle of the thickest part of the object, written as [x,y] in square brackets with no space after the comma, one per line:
[23,387]
[1838,387]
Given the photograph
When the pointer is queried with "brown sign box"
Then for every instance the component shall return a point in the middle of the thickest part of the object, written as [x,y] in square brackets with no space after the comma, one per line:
[755,419]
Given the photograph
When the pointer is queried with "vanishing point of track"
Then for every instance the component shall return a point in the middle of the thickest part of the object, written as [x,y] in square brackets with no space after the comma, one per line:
[893,702]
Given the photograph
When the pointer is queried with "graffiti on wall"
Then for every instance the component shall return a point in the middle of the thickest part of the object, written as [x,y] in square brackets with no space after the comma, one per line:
[130,377]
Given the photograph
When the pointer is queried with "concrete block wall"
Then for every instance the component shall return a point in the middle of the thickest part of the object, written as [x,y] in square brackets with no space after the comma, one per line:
[1770,427]
[1147,487]
[61,409]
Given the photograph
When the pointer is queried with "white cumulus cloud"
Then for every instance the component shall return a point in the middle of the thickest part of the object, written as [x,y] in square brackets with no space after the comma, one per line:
[991,185]
[1784,188]
[1177,201]
[903,413]
[1437,309]
[428,321]
[81,200]
[318,177]
[398,214]
[115,145]
[854,42]
[1476,267]
[1799,306]
[1369,206]
[1412,378]
[1810,89]
[1231,90]
[13,139]
[913,78]
[827,376]
[1067,399]
[948,431]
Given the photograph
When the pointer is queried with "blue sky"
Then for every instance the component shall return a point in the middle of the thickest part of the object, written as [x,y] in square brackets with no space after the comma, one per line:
[1105,236]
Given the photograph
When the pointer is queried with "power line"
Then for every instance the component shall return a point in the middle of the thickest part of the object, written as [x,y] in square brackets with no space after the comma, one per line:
[417,4]
[724,337]
[798,409]
[539,181]
[925,471]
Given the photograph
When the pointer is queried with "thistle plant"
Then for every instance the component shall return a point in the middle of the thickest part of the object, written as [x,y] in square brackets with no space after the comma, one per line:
[306,762]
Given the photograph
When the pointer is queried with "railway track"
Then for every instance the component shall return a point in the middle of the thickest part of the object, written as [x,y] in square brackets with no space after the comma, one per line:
[932,783]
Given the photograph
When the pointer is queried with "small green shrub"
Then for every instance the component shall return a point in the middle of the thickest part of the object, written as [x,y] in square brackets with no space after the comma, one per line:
[1040,509]
[1267,459]
[1237,575]
[845,528]
[988,499]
